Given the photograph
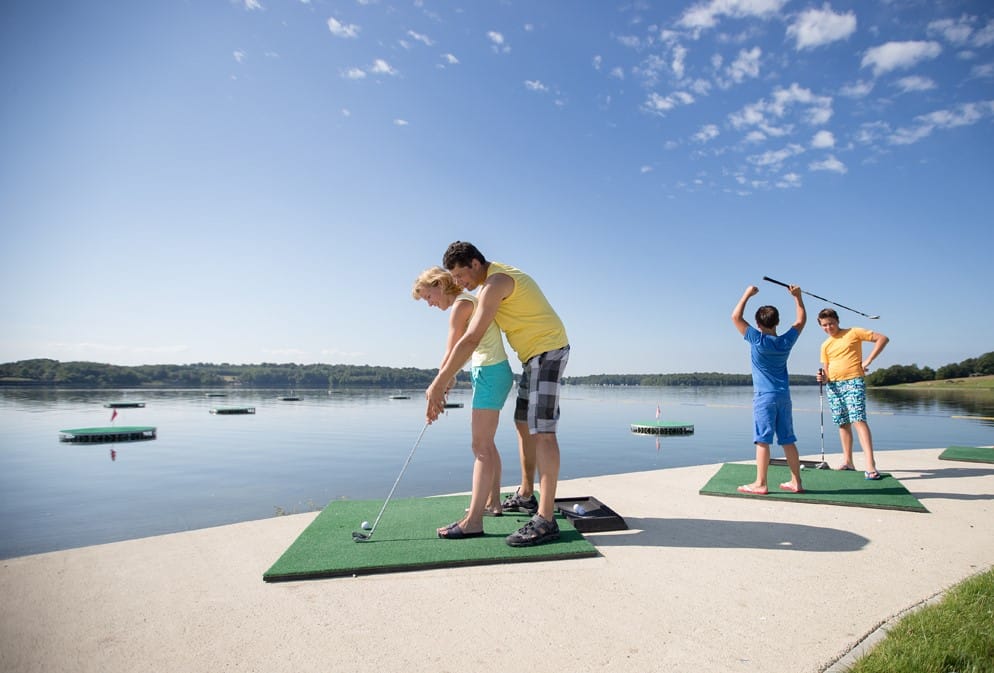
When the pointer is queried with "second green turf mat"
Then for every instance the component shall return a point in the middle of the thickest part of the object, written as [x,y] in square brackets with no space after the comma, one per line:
[405,539]
[828,487]
[970,454]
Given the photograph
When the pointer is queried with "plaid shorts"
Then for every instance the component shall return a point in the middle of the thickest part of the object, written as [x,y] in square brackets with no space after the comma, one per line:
[538,391]
[847,399]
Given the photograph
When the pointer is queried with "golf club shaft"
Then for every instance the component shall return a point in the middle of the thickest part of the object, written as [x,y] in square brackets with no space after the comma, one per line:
[812,294]
[394,488]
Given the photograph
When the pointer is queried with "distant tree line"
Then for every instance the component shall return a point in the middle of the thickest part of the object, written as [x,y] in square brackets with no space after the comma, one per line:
[46,372]
[981,366]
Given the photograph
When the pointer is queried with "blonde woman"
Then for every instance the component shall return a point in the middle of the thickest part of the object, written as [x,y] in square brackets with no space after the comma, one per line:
[492,380]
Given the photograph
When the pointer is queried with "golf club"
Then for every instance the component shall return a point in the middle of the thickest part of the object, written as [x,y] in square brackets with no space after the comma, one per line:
[811,294]
[821,413]
[364,537]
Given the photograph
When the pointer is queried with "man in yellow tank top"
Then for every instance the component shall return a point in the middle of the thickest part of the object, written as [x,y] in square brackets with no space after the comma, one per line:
[514,301]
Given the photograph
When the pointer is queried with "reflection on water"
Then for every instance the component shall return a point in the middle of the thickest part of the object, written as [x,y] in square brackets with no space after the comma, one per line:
[966,402]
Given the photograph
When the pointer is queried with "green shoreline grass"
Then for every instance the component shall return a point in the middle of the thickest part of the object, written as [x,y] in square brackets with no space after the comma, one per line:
[971,383]
[955,634]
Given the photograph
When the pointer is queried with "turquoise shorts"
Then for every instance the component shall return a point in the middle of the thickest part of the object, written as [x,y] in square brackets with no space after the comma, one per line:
[847,399]
[491,384]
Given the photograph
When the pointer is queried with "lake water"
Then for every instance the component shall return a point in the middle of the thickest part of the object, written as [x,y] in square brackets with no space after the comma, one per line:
[206,470]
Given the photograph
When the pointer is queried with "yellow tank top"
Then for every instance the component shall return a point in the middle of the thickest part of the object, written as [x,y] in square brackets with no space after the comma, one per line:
[525,316]
[490,350]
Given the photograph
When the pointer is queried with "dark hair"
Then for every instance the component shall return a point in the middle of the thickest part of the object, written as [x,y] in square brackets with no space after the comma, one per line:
[767,316]
[828,313]
[461,253]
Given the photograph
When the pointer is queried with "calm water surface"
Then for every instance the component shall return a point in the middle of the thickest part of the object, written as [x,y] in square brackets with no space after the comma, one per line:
[206,470]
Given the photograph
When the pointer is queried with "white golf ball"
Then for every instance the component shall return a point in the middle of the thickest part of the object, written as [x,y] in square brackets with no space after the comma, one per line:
[578,508]
[366,525]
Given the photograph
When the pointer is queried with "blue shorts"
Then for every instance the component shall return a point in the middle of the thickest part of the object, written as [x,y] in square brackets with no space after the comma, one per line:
[847,399]
[491,384]
[772,413]
[538,391]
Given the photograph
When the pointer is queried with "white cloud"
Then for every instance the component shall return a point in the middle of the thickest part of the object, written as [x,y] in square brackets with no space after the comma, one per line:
[965,114]
[956,31]
[381,67]
[645,169]
[817,27]
[450,59]
[767,114]
[678,65]
[858,89]
[354,73]
[985,36]
[239,55]
[617,73]
[707,133]
[745,65]
[251,5]
[338,29]
[903,55]
[823,140]
[535,85]
[497,42]
[982,71]
[598,61]
[915,83]
[400,122]
[706,14]
[774,158]
[789,180]
[829,164]
[659,105]
[424,39]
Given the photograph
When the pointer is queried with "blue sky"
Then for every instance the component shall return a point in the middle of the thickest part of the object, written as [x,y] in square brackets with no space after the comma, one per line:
[261,181]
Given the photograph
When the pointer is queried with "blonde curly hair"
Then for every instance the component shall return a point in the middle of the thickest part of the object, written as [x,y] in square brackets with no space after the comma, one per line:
[436,276]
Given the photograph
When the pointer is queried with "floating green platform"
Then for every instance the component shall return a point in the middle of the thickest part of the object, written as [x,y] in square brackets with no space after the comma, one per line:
[125,405]
[227,411]
[106,435]
[663,428]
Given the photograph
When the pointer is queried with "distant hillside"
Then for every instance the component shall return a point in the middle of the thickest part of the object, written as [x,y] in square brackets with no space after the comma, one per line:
[44,372]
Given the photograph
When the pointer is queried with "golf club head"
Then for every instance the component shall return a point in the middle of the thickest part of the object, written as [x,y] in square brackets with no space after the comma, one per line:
[359,537]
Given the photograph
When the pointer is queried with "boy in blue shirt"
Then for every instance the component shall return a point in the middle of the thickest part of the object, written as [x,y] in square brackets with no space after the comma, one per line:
[771,408]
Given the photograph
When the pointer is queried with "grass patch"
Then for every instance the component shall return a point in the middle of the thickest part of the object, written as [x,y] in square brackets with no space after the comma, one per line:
[969,382]
[955,634]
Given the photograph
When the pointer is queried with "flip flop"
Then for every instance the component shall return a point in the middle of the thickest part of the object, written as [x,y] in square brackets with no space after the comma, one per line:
[748,489]
[455,532]
[847,467]
[786,486]
[872,475]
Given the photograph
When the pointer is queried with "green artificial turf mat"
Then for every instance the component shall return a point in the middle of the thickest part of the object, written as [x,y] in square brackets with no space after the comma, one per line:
[827,487]
[970,454]
[405,539]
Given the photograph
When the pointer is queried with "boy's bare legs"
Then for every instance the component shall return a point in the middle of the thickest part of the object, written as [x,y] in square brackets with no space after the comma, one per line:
[762,467]
[845,438]
[865,441]
[794,463]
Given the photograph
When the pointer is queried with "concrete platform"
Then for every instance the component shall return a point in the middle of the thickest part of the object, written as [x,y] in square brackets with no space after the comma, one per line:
[698,584]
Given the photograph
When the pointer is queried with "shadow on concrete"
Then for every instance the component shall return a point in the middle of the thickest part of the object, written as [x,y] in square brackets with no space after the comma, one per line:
[715,534]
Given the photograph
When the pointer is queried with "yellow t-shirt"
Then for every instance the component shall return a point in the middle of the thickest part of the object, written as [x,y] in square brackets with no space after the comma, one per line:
[844,353]
[525,316]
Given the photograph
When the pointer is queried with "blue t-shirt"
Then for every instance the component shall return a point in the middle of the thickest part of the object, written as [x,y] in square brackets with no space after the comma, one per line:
[769,359]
